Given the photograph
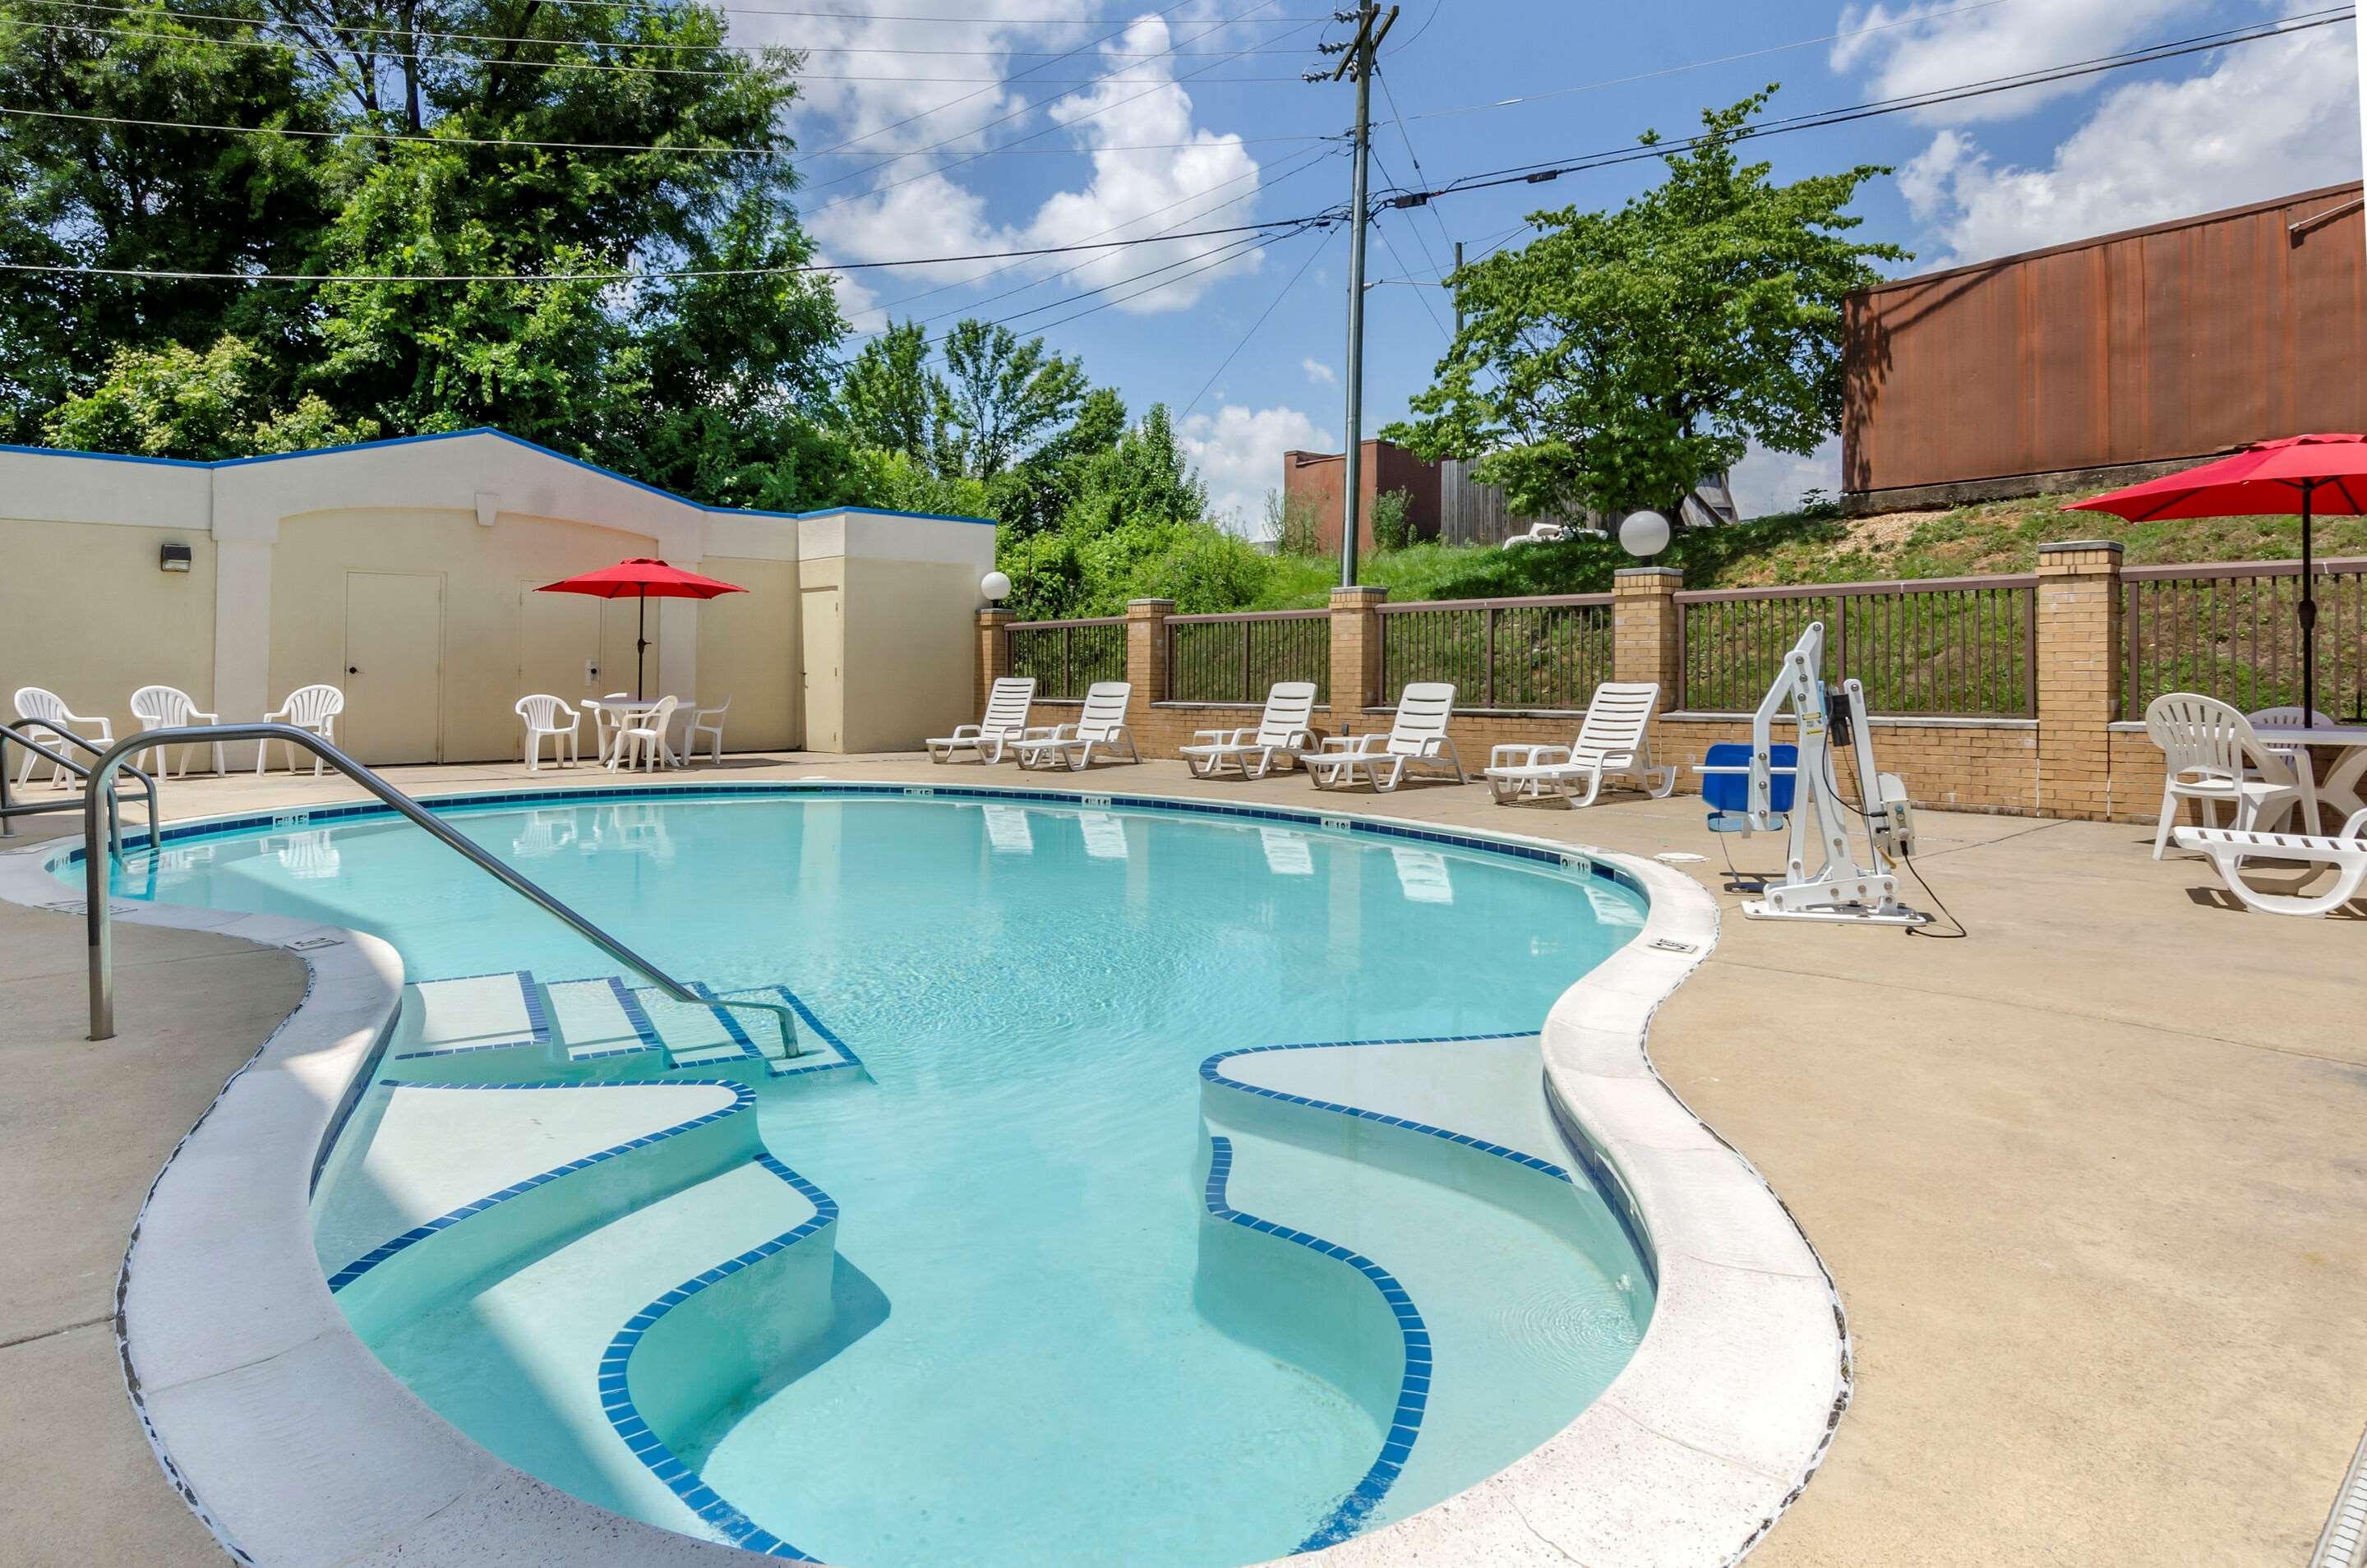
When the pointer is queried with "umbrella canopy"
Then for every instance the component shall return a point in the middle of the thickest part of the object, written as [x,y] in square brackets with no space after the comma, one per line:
[643,577]
[2304,475]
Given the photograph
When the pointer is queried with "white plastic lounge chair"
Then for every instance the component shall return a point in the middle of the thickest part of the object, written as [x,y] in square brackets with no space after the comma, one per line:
[1005,720]
[705,721]
[308,707]
[1615,740]
[1281,732]
[1418,734]
[1101,725]
[2346,852]
[169,707]
[643,745]
[46,710]
[543,713]
[2212,756]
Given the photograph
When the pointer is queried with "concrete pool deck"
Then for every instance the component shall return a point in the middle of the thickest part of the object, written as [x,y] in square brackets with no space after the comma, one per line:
[2088,1182]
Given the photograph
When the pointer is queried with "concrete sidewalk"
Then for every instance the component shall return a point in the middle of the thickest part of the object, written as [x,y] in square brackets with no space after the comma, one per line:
[2090,1182]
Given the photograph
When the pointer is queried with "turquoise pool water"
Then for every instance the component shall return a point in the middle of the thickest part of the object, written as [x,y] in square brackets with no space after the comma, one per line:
[1043,1348]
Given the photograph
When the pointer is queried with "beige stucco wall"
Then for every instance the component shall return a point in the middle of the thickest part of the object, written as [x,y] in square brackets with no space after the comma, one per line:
[482,570]
[909,651]
[85,612]
[748,651]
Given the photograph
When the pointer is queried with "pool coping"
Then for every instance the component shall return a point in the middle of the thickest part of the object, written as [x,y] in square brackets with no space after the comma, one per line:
[1709,1433]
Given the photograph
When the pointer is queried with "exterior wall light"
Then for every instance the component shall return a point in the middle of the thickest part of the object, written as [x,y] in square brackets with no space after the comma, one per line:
[995,586]
[173,558]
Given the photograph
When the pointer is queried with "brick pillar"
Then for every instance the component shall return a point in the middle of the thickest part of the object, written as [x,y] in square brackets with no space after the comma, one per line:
[1355,652]
[993,651]
[2078,675]
[1647,630]
[1145,657]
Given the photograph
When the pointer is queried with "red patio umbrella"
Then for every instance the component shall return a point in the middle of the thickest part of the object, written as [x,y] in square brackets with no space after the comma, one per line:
[641,578]
[2309,475]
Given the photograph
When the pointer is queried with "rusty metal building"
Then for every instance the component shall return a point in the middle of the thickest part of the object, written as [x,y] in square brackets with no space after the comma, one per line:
[2112,358]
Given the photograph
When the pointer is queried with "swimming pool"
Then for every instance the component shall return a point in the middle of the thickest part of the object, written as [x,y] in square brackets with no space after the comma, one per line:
[1076,1276]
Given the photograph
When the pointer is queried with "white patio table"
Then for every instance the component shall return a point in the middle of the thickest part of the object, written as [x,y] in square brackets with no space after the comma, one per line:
[625,713]
[2340,790]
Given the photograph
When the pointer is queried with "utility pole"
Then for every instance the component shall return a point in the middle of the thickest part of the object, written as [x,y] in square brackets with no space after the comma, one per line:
[1357,58]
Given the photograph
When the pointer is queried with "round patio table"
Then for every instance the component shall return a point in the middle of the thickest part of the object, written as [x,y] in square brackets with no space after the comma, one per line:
[2340,789]
[625,713]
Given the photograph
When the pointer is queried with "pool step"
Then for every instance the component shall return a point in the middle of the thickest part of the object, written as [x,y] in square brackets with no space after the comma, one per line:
[697,1036]
[469,1013]
[819,1050]
[598,1018]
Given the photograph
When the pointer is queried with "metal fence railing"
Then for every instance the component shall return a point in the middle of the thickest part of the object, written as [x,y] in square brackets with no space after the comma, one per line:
[1964,647]
[2233,632]
[1546,653]
[1065,657]
[1233,659]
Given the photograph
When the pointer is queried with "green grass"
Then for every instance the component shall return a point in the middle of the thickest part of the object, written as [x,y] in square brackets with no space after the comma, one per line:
[1987,539]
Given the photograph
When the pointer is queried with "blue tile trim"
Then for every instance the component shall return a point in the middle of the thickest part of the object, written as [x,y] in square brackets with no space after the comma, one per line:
[1604,1180]
[829,1035]
[1573,859]
[616,1394]
[1413,1385]
[742,1099]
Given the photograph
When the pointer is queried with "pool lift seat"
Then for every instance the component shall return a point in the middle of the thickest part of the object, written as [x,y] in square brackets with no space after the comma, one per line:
[1842,889]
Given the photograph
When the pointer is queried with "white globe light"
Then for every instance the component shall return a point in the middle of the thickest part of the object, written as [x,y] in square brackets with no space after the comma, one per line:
[1643,534]
[995,586]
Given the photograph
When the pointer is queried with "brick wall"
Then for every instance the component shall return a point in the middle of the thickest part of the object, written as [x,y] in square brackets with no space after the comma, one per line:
[2071,761]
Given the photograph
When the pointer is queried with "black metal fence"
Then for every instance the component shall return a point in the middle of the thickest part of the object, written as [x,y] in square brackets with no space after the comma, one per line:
[1065,657]
[1962,647]
[1545,653]
[2234,632]
[1233,659]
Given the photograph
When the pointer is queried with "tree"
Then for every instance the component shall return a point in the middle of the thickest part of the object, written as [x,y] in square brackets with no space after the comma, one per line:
[888,397]
[155,402]
[1002,398]
[1621,355]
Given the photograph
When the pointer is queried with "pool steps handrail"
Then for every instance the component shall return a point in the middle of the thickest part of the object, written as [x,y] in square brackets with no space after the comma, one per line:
[100,928]
[9,810]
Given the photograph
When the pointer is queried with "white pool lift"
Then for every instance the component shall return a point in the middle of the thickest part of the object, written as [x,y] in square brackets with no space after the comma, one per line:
[1842,889]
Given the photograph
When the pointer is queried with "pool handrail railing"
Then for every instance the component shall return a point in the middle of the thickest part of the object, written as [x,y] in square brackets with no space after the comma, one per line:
[100,929]
[20,734]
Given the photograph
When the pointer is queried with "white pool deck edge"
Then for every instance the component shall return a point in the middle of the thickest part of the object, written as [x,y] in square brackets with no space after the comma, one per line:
[294,1446]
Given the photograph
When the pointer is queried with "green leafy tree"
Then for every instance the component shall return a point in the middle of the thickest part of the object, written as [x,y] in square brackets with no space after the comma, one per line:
[1623,355]
[1002,398]
[159,401]
[889,398]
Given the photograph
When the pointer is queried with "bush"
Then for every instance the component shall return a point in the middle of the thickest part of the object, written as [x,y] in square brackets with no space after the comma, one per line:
[1393,519]
[1291,524]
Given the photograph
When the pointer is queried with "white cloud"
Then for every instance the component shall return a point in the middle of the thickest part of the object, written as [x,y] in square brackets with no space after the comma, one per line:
[1766,482]
[1153,168]
[1319,372]
[2265,120]
[1943,43]
[1239,451]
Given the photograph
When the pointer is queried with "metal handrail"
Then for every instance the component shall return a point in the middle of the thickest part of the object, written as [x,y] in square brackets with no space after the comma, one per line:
[101,930]
[114,814]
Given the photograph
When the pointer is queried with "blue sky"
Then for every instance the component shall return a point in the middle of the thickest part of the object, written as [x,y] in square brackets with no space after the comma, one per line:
[1045,122]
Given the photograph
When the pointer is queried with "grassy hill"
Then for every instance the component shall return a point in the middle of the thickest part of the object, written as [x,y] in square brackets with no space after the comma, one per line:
[1995,536]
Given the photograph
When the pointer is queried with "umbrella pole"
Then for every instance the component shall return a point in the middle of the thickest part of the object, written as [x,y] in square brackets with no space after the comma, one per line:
[2307,612]
[641,633]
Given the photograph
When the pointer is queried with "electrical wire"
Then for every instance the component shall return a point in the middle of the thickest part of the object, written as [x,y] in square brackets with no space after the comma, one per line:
[1230,251]
[637,276]
[1418,173]
[1271,305]
[1170,283]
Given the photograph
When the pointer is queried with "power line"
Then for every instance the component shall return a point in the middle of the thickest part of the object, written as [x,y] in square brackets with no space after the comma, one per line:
[503,63]
[975,21]
[640,275]
[433,139]
[385,27]
[1418,171]
[1271,305]
[1168,284]
[1230,250]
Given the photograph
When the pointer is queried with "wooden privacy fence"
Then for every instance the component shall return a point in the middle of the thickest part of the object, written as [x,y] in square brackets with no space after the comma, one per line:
[1964,648]
[2232,632]
[1233,659]
[1065,657]
[1548,652]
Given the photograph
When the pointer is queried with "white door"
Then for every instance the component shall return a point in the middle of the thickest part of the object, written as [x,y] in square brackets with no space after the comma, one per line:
[394,666]
[823,645]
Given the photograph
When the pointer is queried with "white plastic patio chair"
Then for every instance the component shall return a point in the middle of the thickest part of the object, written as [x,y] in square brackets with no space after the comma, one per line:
[2229,848]
[308,707]
[643,745]
[698,725]
[1005,720]
[2212,756]
[1281,731]
[543,713]
[41,709]
[1417,735]
[1613,740]
[169,707]
[1100,725]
